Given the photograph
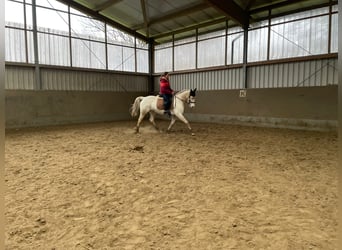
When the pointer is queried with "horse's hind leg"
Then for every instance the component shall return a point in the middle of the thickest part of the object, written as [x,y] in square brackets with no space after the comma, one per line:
[140,119]
[152,121]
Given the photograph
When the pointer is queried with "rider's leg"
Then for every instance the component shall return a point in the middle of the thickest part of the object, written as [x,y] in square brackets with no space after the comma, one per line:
[167,104]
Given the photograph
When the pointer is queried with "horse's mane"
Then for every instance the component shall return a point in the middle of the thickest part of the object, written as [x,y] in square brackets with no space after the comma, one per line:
[181,91]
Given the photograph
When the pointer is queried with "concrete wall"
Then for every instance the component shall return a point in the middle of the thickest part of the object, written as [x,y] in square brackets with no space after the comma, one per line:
[40,108]
[312,108]
[304,108]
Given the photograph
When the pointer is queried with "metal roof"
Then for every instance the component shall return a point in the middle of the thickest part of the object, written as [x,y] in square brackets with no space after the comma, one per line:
[160,19]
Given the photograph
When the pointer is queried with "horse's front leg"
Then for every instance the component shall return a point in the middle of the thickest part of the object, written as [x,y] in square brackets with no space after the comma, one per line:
[173,120]
[182,118]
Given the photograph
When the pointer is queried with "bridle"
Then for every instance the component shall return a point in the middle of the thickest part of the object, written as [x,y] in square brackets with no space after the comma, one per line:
[188,100]
[191,100]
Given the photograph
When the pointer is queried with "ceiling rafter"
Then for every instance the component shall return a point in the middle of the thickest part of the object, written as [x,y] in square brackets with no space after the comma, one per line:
[192,27]
[145,15]
[232,10]
[273,6]
[200,13]
[289,2]
[294,11]
[99,16]
[173,14]
[106,5]
[249,4]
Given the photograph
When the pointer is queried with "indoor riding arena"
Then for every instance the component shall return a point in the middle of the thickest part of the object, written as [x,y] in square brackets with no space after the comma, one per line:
[252,166]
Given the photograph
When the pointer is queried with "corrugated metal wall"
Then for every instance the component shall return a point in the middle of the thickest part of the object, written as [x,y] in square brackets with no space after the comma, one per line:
[206,80]
[281,75]
[19,77]
[297,74]
[53,79]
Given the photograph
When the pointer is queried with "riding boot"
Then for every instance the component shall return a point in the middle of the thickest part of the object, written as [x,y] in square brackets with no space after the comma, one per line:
[168,113]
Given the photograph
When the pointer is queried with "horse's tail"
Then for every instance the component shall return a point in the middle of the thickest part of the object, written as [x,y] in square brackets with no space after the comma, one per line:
[135,108]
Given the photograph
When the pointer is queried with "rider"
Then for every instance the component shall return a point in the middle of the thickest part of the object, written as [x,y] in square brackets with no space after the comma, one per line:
[166,92]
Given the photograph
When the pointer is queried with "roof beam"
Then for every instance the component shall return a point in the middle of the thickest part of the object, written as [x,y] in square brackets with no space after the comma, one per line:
[289,2]
[294,11]
[173,14]
[106,5]
[144,11]
[101,17]
[273,6]
[232,10]
[249,4]
[192,27]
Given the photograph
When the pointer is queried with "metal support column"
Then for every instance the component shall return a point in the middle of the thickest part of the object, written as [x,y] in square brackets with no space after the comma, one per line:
[70,42]
[38,85]
[330,23]
[151,89]
[25,26]
[245,51]
[269,35]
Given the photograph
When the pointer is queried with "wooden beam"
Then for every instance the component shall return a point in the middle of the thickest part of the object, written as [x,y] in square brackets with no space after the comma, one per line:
[232,10]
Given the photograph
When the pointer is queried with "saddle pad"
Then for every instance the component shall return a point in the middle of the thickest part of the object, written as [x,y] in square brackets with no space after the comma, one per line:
[160,103]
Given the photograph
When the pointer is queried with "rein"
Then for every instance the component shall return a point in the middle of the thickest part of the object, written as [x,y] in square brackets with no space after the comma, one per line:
[188,101]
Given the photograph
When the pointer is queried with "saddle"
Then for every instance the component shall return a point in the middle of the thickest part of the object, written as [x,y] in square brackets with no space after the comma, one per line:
[160,103]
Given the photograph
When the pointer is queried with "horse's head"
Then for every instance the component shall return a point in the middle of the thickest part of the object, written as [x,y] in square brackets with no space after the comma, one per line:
[192,99]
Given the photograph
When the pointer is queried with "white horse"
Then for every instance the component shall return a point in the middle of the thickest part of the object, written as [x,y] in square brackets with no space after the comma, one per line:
[154,105]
